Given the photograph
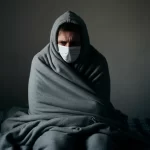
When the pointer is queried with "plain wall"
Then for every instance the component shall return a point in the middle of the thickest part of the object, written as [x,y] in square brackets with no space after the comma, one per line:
[118,29]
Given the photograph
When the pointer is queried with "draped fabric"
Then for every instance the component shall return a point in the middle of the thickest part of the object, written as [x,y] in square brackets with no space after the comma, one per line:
[69,104]
[81,88]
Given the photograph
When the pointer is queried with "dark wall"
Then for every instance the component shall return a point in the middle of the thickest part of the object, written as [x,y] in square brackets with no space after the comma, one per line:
[120,30]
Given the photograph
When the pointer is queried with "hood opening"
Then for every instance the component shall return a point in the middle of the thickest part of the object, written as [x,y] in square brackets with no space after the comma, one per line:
[71,18]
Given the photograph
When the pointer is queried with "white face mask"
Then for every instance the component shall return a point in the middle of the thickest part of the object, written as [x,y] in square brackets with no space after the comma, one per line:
[69,54]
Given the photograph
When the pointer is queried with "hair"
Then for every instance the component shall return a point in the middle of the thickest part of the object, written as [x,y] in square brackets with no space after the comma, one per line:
[70,27]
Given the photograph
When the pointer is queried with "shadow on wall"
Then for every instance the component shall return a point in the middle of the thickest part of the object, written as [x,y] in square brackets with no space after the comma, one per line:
[14,94]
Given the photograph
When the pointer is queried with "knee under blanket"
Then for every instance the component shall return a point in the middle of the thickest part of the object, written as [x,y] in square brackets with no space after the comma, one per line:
[68,104]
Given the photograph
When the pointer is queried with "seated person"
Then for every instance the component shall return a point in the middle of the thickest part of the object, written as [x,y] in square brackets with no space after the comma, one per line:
[70,77]
[68,95]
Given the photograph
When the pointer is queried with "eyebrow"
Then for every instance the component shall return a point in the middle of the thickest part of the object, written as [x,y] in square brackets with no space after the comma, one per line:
[70,41]
[61,41]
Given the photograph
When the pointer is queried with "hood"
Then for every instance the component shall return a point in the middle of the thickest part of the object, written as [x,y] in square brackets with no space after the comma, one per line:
[70,17]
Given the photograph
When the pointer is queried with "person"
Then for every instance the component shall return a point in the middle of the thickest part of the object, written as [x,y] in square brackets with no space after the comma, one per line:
[68,96]
[76,78]
[70,51]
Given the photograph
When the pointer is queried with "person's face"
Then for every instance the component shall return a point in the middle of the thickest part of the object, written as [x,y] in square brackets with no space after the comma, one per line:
[68,38]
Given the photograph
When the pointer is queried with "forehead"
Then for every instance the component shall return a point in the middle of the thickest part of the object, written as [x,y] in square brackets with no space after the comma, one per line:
[68,35]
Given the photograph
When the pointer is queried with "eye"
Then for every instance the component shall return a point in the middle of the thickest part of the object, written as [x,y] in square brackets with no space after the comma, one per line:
[63,43]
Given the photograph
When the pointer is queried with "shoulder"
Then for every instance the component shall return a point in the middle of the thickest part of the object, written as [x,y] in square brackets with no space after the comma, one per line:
[41,55]
[96,56]
[42,58]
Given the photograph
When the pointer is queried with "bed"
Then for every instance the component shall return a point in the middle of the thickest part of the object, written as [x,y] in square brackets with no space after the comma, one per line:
[141,127]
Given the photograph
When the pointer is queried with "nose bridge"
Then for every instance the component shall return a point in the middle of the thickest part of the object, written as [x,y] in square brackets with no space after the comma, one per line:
[69,40]
[68,44]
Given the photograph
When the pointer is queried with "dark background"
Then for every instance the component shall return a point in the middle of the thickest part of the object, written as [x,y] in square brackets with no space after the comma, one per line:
[120,30]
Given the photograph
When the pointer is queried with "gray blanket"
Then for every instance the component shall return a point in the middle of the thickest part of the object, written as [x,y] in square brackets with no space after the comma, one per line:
[26,132]
[69,105]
